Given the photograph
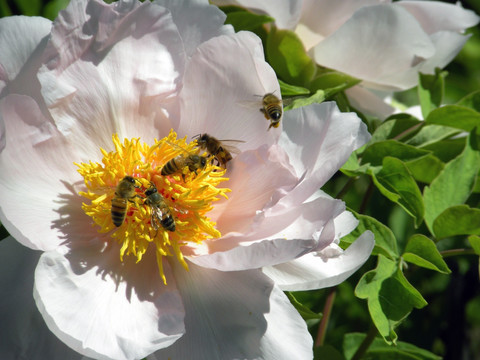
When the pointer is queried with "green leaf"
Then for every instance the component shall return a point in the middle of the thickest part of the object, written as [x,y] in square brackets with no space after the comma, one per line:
[330,79]
[390,297]
[5,9]
[29,7]
[352,166]
[379,350]
[394,126]
[396,183]
[292,90]
[474,241]
[430,91]
[327,352]
[52,8]
[447,150]
[426,168]
[422,251]
[316,98]
[431,134]
[471,101]
[454,184]
[457,220]
[244,20]
[385,242]
[287,56]
[455,116]
[304,311]
[376,152]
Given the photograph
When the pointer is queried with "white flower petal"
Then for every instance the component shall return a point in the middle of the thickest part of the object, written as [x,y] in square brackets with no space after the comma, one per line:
[225,73]
[292,232]
[257,180]
[318,139]
[20,36]
[37,182]
[23,332]
[236,315]
[256,255]
[108,67]
[186,14]
[369,103]
[106,309]
[323,17]
[313,271]
[285,12]
[376,42]
[438,16]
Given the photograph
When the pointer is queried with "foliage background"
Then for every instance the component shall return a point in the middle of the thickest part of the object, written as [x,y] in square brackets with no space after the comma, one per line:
[449,326]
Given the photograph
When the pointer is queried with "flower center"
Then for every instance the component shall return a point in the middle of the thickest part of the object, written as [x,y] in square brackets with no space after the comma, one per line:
[156,195]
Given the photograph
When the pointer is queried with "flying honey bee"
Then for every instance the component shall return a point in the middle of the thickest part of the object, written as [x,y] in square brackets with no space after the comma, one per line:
[161,213]
[272,109]
[220,149]
[179,163]
[124,193]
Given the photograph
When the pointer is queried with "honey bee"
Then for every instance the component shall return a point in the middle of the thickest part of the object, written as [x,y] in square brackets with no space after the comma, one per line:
[217,148]
[124,193]
[272,109]
[161,213]
[178,163]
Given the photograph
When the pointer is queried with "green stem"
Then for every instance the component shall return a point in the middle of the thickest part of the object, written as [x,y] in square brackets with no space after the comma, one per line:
[365,343]
[457,252]
[345,188]
[367,196]
[327,310]
[408,131]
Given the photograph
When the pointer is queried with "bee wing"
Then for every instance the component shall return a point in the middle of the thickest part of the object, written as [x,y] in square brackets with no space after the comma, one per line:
[156,216]
[230,147]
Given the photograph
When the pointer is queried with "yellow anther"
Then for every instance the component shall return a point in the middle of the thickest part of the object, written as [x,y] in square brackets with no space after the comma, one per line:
[147,224]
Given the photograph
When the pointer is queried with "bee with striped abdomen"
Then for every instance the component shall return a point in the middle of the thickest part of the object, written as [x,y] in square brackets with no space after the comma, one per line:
[161,213]
[272,109]
[124,193]
[220,149]
[176,165]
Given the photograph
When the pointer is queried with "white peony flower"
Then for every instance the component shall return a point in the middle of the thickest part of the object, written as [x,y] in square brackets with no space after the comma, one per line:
[383,43]
[150,76]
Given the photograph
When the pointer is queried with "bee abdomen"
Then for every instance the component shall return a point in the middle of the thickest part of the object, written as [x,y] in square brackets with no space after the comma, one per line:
[274,112]
[168,223]
[170,167]
[119,211]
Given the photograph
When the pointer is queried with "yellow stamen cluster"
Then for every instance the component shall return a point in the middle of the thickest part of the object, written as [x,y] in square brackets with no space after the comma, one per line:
[187,194]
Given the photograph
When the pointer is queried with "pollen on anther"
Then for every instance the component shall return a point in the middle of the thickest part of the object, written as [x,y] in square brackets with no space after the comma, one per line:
[186,195]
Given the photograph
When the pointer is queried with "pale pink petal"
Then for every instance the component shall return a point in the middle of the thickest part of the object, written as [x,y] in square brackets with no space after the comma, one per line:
[256,255]
[216,89]
[323,17]
[109,68]
[368,102]
[186,15]
[39,184]
[103,308]
[236,315]
[285,12]
[447,45]
[436,16]
[257,180]
[376,42]
[23,332]
[318,139]
[21,37]
[289,235]
[317,270]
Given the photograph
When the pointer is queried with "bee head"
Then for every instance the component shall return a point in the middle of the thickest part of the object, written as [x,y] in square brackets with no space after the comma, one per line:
[150,191]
